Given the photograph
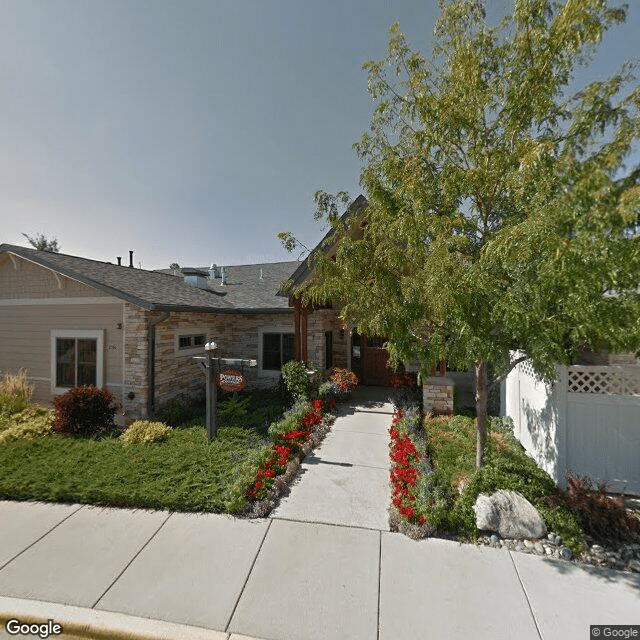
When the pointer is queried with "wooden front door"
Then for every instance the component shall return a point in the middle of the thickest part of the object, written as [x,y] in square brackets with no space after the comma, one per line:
[375,358]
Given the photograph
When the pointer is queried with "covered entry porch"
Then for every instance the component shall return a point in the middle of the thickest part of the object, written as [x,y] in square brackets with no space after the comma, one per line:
[321,338]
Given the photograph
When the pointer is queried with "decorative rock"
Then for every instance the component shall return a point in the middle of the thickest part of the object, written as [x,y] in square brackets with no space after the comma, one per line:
[634,565]
[528,544]
[510,514]
[538,548]
[548,551]
[565,553]
[557,541]
[551,536]
[495,539]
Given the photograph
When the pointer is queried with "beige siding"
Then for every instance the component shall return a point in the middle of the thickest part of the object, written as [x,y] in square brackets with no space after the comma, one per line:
[32,305]
[25,340]
[26,280]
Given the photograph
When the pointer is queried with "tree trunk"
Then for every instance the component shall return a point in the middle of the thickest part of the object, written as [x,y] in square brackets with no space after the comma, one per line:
[482,393]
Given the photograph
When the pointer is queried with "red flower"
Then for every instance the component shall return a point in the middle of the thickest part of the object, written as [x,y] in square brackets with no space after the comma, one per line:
[422,519]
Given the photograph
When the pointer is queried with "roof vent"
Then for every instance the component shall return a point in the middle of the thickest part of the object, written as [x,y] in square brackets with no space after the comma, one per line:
[223,271]
[196,278]
[213,271]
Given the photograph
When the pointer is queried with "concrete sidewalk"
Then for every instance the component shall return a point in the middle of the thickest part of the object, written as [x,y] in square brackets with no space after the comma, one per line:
[306,573]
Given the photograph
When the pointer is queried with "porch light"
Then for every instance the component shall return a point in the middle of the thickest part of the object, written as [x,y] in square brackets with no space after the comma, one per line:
[210,346]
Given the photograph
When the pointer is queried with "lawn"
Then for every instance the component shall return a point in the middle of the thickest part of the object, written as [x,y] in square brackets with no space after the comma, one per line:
[184,472]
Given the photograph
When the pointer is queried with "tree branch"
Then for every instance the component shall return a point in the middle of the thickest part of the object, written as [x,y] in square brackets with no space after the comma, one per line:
[516,362]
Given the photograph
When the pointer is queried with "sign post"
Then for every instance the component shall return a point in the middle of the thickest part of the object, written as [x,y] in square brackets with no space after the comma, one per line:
[228,380]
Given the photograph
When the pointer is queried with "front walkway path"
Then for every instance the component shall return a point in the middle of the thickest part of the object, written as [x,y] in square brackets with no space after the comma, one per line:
[346,479]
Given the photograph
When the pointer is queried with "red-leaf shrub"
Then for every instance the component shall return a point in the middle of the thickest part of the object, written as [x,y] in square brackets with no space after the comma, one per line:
[604,518]
[84,411]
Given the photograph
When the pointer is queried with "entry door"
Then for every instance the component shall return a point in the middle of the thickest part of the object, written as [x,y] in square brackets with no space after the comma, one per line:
[375,358]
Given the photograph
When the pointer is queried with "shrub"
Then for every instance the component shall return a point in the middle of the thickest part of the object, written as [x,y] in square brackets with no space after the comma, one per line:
[15,392]
[345,379]
[84,411]
[604,518]
[291,420]
[29,424]
[145,432]
[235,407]
[339,385]
[182,409]
[296,379]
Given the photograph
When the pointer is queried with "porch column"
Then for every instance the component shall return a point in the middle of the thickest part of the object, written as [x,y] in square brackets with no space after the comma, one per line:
[300,313]
[296,331]
[303,330]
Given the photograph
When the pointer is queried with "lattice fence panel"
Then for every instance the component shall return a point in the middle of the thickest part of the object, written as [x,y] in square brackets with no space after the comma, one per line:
[624,381]
[527,369]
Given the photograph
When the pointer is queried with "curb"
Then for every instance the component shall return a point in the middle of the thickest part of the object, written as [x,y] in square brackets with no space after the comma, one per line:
[78,622]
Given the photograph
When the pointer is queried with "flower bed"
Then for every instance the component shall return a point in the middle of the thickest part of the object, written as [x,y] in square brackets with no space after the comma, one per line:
[435,481]
[302,428]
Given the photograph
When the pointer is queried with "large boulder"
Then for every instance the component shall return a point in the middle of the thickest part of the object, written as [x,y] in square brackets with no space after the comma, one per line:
[509,514]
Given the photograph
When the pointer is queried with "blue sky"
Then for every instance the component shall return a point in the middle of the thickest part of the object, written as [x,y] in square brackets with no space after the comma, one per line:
[194,131]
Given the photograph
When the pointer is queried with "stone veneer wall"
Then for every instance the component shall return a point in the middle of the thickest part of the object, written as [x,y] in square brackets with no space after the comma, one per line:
[318,323]
[237,336]
[437,395]
[135,362]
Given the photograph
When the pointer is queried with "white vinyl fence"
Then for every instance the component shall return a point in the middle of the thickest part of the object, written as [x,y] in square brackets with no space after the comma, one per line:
[587,421]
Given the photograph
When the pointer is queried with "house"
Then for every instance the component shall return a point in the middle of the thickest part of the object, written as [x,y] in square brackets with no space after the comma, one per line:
[70,321]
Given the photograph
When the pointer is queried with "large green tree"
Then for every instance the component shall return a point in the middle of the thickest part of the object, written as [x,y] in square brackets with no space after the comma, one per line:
[500,213]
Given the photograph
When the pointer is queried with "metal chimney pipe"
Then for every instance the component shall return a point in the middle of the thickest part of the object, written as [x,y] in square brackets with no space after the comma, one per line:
[131,259]
[119,261]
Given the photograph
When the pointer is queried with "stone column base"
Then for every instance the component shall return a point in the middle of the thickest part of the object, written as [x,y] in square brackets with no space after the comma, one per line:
[437,395]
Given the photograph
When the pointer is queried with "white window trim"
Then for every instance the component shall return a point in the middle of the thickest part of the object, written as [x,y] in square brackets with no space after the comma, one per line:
[96,334]
[270,373]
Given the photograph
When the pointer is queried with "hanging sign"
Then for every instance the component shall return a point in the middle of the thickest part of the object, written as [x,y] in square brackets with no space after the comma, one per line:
[231,380]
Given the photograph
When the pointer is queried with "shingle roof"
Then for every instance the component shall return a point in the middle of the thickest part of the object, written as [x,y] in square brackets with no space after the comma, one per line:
[253,286]
[246,292]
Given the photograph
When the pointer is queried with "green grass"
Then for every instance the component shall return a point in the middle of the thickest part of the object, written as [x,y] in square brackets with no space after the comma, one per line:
[455,484]
[183,473]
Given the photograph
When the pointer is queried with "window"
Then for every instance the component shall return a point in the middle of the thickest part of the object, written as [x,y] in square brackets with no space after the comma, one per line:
[277,348]
[192,341]
[76,358]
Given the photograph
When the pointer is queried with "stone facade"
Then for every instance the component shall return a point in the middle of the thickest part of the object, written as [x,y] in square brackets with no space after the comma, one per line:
[319,323]
[176,372]
[437,395]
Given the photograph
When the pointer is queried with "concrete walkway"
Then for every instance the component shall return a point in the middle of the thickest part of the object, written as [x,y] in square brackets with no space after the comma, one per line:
[324,571]
[345,481]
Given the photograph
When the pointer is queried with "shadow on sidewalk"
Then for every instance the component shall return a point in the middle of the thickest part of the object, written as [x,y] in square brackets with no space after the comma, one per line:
[368,400]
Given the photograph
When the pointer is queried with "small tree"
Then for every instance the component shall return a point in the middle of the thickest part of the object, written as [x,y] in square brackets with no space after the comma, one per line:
[42,243]
[497,216]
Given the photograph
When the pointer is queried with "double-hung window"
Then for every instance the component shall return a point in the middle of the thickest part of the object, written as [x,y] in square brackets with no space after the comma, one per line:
[76,358]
